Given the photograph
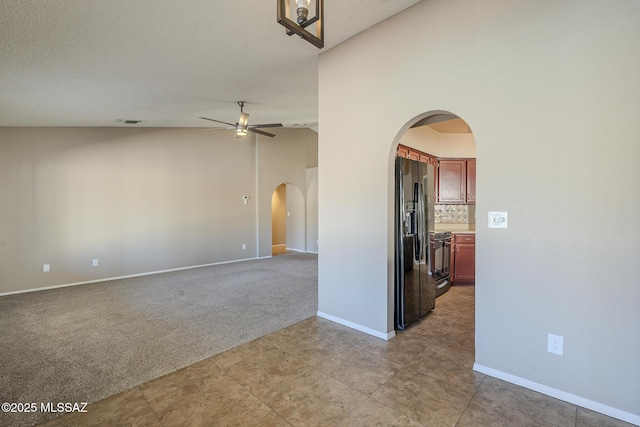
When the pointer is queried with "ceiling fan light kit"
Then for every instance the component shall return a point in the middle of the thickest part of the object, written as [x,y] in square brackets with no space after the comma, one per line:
[242,126]
[299,26]
[241,131]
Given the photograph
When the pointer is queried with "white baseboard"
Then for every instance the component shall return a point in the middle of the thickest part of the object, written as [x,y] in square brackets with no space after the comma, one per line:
[559,394]
[302,251]
[106,279]
[357,327]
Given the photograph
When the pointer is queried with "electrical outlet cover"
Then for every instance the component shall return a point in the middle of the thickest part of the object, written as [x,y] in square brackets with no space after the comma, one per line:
[555,344]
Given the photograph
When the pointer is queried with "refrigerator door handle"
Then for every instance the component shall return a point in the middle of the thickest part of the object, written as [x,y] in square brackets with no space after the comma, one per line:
[421,215]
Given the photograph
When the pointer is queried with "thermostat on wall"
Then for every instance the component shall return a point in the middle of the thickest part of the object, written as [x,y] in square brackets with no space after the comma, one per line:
[498,220]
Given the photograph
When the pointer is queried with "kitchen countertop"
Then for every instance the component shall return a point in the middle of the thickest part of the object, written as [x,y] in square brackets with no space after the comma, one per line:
[455,228]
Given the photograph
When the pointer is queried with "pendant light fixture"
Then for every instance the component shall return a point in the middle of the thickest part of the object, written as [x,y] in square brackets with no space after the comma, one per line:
[299,27]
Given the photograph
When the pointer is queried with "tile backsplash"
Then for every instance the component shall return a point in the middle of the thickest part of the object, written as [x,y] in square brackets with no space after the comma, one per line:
[455,214]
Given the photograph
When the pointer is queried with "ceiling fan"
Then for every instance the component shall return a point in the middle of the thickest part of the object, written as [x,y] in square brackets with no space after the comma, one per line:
[242,125]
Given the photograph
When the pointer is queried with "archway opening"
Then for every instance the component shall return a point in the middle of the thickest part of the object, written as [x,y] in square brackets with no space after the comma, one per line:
[434,218]
[288,219]
[279,220]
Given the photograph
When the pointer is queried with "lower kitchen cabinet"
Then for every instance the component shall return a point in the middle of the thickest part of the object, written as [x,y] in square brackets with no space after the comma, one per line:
[463,258]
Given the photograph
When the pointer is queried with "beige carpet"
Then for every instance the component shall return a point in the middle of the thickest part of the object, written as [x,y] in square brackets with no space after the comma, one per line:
[87,342]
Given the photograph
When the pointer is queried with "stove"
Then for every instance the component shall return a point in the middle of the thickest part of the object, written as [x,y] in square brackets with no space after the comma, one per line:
[439,254]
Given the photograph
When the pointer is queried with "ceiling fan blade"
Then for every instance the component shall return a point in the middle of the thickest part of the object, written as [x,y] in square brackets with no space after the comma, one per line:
[267,125]
[270,135]
[218,121]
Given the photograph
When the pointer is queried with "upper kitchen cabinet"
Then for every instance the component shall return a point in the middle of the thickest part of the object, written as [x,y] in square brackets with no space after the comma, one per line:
[452,181]
[471,181]
[408,153]
[457,181]
[413,154]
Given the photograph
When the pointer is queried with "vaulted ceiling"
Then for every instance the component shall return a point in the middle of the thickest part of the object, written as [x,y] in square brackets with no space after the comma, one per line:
[164,62]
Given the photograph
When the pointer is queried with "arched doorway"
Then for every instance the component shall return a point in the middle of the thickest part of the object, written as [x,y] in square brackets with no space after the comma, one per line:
[434,210]
[279,220]
[287,219]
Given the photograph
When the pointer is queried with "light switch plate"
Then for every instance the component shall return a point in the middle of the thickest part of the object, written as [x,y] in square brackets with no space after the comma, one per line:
[498,219]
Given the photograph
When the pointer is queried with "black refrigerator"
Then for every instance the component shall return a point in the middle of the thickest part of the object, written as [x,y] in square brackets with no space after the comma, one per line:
[415,289]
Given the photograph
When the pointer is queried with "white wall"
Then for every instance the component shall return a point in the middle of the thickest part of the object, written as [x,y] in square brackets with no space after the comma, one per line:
[296,218]
[312,210]
[139,200]
[550,90]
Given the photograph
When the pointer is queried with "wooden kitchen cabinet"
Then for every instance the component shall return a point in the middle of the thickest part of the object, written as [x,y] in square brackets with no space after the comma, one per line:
[408,153]
[471,181]
[456,181]
[463,258]
[452,181]
[413,154]
[403,151]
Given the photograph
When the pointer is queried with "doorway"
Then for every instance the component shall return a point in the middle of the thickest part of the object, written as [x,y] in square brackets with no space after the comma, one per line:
[288,219]
[279,220]
[443,140]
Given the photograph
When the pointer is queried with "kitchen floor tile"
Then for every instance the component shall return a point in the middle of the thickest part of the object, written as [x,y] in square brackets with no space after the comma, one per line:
[241,352]
[214,399]
[372,413]
[500,403]
[314,399]
[128,404]
[430,400]
[588,418]
[267,371]
[362,372]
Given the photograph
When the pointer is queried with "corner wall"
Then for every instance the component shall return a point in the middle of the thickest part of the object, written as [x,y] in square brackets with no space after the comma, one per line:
[312,210]
[551,93]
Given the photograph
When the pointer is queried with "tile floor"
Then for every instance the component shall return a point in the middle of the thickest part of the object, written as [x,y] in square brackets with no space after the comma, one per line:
[317,373]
